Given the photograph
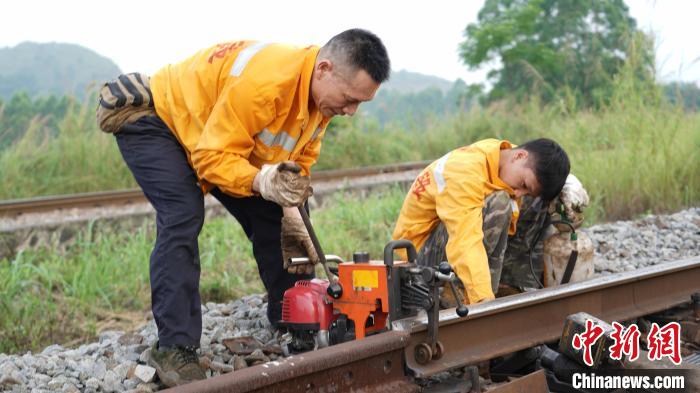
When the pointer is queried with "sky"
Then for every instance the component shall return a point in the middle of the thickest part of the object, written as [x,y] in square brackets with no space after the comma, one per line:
[420,36]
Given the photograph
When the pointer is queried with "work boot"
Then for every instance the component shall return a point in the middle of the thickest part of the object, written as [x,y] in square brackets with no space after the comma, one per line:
[176,365]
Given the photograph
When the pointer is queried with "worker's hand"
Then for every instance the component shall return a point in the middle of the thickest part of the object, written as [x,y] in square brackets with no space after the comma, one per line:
[571,201]
[282,183]
[297,243]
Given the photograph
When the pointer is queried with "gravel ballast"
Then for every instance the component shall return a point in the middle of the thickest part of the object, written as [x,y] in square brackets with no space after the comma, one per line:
[118,361]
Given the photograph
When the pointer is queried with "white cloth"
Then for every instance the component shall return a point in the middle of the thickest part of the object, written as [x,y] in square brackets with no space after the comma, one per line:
[573,198]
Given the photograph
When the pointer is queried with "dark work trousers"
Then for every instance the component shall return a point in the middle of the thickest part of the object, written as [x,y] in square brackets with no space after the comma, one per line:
[159,165]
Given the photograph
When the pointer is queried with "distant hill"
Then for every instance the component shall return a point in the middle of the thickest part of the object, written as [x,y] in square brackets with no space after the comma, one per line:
[412,99]
[411,82]
[52,68]
[36,78]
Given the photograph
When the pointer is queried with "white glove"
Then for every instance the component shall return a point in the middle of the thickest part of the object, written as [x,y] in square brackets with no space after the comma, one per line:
[573,198]
[573,195]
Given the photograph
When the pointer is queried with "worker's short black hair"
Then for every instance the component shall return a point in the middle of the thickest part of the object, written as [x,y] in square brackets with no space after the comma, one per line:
[360,49]
[550,163]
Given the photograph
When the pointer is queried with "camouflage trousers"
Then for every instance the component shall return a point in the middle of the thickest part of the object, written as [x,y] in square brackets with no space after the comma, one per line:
[508,256]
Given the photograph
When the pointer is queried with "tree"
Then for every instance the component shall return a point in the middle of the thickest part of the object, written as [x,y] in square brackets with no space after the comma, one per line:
[547,47]
[17,114]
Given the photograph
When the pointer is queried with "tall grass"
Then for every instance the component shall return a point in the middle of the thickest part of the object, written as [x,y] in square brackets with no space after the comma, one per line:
[79,158]
[636,154]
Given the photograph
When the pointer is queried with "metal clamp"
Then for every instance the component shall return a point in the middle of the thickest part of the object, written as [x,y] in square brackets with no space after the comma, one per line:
[432,349]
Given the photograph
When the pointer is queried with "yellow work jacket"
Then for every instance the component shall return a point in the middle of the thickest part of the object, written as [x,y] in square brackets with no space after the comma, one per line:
[239,105]
[453,190]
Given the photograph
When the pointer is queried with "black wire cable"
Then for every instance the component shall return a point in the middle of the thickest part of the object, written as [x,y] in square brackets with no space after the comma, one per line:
[537,239]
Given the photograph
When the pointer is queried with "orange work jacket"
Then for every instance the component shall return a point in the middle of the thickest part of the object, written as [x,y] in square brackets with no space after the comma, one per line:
[238,105]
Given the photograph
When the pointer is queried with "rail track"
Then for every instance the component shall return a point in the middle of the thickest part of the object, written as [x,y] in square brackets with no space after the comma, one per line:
[387,362]
[17,207]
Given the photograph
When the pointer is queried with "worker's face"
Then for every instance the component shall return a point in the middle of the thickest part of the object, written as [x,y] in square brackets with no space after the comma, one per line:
[517,172]
[338,91]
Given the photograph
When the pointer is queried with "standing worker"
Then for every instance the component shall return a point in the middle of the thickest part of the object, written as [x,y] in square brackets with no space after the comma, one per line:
[243,121]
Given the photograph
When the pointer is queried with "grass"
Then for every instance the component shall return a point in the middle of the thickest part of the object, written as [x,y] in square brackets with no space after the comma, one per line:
[632,156]
[635,154]
[102,280]
[78,159]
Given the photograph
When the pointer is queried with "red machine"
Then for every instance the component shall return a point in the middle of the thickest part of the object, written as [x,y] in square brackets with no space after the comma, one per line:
[305,305]
[318,313]
[363,297]
[308,313]
[366,297]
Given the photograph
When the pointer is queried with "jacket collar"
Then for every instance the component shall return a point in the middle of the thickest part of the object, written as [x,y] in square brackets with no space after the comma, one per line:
[305,81]
[493,157]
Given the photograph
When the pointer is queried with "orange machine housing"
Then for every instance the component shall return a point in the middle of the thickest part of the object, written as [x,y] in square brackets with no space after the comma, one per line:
[365,294]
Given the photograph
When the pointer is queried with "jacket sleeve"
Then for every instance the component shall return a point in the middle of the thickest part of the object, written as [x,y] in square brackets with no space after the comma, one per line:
[310,154]
[459,207]
[221,156]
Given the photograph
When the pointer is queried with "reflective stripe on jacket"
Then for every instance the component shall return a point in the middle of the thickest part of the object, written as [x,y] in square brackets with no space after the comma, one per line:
[239,105]
[452,190]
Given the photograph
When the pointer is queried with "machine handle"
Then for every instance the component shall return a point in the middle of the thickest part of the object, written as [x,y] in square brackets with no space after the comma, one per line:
[441,275]
[305,260]
[398,244]
[316,244]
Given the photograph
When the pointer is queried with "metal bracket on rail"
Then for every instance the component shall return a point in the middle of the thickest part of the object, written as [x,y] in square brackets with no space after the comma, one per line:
[432,349]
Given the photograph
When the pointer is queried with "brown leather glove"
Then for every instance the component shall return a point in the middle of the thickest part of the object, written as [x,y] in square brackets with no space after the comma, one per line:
[297,243]
[282,183]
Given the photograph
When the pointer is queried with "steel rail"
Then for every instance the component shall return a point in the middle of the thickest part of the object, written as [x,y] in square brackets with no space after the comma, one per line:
[380,363]
[374,364]
[339,174]
[16,207]
[513,323]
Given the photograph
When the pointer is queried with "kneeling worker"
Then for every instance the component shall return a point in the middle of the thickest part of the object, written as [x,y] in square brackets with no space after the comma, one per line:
[463,207]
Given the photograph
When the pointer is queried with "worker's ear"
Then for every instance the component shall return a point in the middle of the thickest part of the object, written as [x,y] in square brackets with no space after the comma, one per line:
[323,68]
[520,154]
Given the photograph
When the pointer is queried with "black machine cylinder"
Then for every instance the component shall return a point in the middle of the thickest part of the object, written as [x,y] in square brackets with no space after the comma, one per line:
[334,290]
[360,257]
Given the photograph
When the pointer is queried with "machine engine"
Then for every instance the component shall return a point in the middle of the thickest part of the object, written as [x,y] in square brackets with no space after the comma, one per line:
[363,299]
[307,311]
